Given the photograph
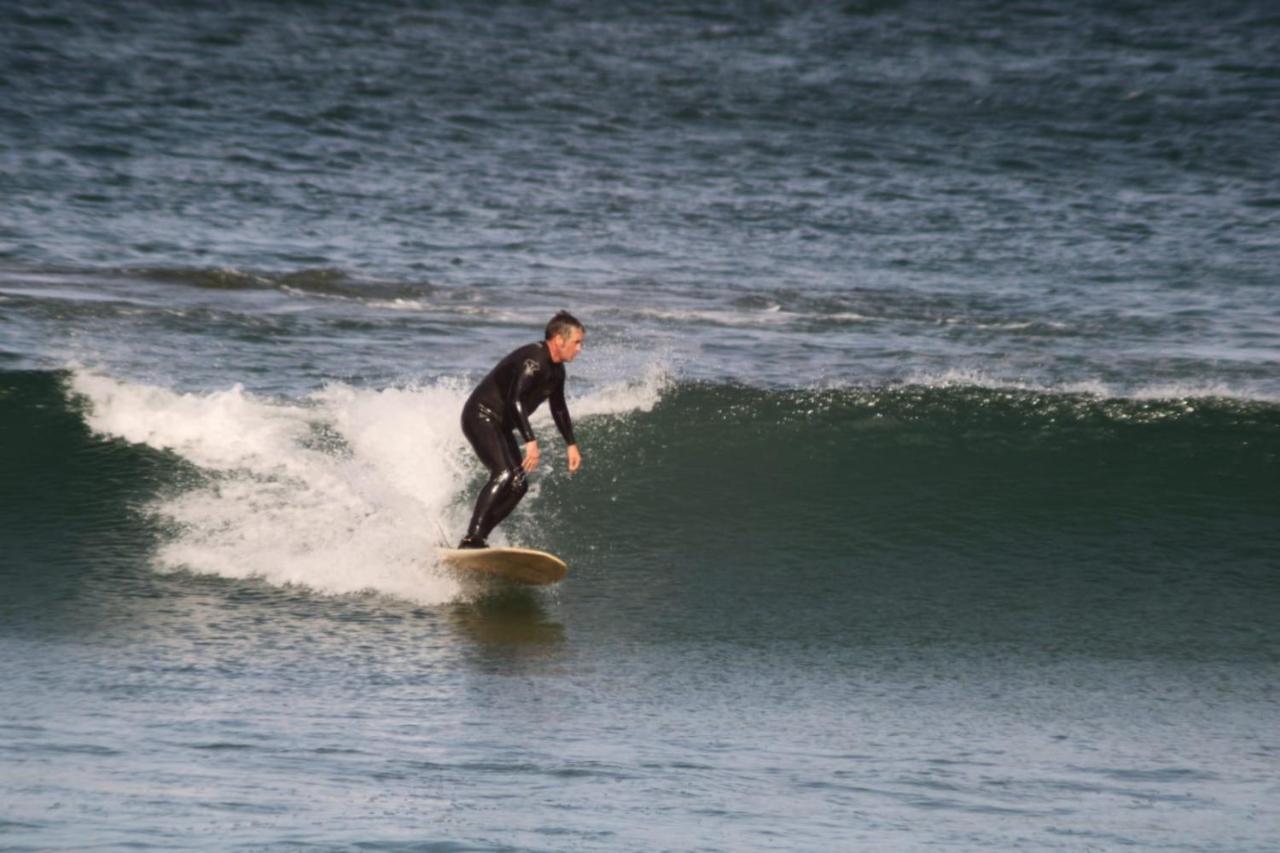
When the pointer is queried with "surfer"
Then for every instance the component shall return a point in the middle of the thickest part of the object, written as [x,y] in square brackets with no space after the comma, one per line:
[502,402]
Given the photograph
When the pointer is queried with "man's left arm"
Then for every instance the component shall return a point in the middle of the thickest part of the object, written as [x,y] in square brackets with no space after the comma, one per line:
[564,423]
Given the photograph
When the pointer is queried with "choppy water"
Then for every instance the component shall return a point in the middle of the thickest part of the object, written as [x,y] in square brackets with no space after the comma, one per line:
[930,412]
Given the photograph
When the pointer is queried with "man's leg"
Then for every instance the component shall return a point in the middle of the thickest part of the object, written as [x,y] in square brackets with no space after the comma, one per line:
[517,485]
[498,451]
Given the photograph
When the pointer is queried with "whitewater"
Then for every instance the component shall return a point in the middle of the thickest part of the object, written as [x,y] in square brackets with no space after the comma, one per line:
[348,490]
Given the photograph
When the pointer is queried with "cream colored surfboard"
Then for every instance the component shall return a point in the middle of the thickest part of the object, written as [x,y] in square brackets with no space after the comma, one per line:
[522,565]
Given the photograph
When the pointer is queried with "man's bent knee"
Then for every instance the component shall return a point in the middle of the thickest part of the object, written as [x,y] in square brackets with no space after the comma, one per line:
[511,480]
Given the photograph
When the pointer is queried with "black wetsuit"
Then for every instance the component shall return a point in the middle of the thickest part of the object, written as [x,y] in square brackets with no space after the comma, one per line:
[502,402]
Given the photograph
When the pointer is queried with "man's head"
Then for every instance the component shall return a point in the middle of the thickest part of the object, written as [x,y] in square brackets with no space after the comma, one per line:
[564,337]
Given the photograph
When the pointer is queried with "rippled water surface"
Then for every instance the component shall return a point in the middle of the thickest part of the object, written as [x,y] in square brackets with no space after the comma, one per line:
[929,415]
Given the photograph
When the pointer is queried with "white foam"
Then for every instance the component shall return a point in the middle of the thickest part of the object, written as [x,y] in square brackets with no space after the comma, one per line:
[640,394]
[221,430]
[958,377]
[1009,325]
[965,377]
[399,304]
[342,492]
[770,316]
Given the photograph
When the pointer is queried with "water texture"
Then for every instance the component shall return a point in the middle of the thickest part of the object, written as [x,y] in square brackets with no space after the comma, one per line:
[930,413]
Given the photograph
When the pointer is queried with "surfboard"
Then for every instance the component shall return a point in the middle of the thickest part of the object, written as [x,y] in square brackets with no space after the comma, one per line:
[521,565]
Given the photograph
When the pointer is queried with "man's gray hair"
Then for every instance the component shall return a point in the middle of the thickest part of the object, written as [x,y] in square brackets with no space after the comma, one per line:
[562,324]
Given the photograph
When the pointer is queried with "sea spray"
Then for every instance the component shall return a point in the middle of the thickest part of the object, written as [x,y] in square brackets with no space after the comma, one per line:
[339,493]
[344,491]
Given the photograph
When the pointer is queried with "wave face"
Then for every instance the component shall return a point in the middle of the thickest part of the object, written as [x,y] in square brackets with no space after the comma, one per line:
[1140,524]
[966,513]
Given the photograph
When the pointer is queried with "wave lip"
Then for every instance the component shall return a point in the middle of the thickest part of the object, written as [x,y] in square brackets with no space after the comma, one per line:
[955,378]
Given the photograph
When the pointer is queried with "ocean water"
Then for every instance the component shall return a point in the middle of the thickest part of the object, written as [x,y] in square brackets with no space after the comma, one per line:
[930,414]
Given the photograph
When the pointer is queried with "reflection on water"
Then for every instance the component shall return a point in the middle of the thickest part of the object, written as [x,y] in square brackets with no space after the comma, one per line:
[508,619]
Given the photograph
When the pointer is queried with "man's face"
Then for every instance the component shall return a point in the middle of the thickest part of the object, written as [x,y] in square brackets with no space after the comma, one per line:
[567,346]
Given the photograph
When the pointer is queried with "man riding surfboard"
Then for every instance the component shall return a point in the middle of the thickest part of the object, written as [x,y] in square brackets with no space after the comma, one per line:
[503,402]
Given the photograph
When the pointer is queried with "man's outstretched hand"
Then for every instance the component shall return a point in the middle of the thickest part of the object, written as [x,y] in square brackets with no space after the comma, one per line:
[575,458]
[530,456]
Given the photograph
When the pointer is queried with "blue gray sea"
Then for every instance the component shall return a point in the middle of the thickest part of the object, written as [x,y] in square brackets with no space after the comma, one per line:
[929,411]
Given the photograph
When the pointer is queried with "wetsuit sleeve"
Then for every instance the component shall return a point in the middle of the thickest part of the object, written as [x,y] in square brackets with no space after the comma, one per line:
[526,375]
[560,412]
